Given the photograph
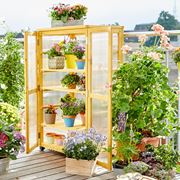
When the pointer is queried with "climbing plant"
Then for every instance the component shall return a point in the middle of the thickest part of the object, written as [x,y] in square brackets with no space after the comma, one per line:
[11,71]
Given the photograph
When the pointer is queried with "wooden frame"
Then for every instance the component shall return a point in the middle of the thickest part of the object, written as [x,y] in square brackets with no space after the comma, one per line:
[86,31]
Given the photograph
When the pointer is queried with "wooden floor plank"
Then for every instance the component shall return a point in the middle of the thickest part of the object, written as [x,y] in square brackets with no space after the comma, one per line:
[106,176]
[36,161]
[43,174]
[31,171]
[75,177]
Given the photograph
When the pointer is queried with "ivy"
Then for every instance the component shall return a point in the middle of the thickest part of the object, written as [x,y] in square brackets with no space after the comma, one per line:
[11,71]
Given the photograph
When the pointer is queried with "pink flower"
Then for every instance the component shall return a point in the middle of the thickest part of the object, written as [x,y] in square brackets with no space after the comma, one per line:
[125,49]
[154,55]
[137,53]
[3,139]
[57,47]
[157,28]
[142,38]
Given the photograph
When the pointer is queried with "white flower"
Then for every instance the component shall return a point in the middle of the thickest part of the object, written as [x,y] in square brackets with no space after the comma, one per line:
[154,55]
[125,49]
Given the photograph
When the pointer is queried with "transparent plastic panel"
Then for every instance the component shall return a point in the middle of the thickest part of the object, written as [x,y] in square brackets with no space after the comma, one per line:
[31,62]
[32,120]
[99,63]
[100,122]
[115,52]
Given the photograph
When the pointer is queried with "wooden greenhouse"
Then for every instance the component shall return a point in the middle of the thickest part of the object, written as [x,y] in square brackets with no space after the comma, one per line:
[103,53]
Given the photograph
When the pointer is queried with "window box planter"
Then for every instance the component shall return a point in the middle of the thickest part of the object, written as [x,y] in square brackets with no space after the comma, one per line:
[80,167]
[59,23]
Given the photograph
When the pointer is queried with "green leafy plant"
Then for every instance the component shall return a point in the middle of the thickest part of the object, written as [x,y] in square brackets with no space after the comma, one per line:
[9,115]
[145,94]
[84,145]
[11,142]
[70,45]
[70,79]
[68,13]
[56,50]
[51,109]
[69,105]
[82,106]
[11,71]
[176,55]
[137,166]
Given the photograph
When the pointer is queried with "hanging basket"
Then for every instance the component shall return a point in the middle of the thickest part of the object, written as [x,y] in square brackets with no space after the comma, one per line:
[4,165]
[59,23]
[80,167]
[56,62]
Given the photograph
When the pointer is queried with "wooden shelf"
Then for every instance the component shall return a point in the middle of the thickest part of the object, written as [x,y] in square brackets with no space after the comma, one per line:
[61,126]
[53,147]
[64,70]
[60,88]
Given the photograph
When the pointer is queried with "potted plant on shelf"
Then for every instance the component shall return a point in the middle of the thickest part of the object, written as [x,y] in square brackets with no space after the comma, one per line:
[144,95]
[70,108]
[70,80]
[69,54]
[81,150]
[11,140]
[50,114]
[56,56]
[66,15]
[82,83]
[79,52]
[82,108]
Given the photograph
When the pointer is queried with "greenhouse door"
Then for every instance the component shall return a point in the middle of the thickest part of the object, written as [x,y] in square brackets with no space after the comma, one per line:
[99,80]
[31,91]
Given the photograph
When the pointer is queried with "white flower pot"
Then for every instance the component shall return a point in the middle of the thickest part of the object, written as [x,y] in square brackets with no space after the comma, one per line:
[58,23]
[4,165]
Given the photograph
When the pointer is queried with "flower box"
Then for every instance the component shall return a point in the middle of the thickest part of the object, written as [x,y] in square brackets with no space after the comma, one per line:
[58,23]
[56,62]
[80,167]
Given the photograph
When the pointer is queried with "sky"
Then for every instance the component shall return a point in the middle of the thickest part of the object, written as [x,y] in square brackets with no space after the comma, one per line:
[20,14]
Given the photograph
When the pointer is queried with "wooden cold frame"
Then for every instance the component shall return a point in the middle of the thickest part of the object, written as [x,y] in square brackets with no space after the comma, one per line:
[87,31]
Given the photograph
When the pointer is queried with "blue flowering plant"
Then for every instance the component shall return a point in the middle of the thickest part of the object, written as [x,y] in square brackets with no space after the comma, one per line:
[11,142]
[85,145]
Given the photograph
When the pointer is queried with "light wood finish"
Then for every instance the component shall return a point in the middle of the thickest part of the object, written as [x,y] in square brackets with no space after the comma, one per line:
[64,70]
[61,126]
[87,32]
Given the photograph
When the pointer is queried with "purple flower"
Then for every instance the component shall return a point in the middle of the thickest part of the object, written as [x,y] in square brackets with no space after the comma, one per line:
[18,136]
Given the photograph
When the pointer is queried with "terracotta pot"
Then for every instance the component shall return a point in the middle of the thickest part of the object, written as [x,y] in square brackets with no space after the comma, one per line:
[83,118]
[50,118]
[50,138]
[80,167]
[148,140]
[4,165]
[72,86]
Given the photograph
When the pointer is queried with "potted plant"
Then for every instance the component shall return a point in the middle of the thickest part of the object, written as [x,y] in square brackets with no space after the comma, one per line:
[70,80]
[145,95]
[70,109]
[82,107]
[81,150]
[11,140]
[79,52]
[66,15]
[82,83]
[56,56]
[50,114]
[69,54]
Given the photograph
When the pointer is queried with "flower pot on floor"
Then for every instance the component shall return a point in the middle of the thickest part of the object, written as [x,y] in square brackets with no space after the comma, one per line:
[59,23]
[83,118]
[80,63]
[4,165]
[71,61]
[69,120]
[80,167]
[50,118]
[56,62]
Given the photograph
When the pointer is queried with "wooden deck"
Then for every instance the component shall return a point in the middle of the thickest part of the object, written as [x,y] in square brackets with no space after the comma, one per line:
[46,165]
